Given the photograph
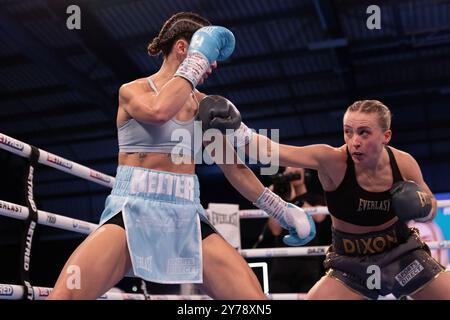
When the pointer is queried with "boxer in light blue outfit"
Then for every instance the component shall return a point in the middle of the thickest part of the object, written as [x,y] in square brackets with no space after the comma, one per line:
[153,222]
[161,212]
[161,209]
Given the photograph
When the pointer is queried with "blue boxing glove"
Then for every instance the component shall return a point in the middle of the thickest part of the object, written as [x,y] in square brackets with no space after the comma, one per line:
[300,225]
[215,43]
[411,202]
[208,44]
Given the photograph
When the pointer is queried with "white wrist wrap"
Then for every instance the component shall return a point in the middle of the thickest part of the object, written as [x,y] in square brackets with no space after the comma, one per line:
[272,204]
[193,68]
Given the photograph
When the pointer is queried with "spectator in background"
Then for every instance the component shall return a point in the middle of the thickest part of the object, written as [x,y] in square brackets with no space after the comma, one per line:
[298,274]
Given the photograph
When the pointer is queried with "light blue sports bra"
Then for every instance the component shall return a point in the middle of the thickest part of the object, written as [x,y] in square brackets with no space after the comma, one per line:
[172,136]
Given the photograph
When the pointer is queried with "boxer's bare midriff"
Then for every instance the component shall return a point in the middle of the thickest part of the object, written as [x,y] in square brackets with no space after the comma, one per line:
[156,161]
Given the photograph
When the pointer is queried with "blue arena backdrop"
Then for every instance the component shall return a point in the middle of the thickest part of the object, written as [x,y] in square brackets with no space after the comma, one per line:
[443,216]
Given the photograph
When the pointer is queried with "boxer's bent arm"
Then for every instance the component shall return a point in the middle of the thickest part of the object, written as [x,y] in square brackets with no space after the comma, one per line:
[300,225]
[239,175]
[151,107]
[243,180]
[410,170]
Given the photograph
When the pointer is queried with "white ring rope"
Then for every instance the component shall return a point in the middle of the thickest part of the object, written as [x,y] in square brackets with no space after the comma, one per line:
[257,213]
[312,250]
[49,159]
[15,292]
[53,220]
[16,211]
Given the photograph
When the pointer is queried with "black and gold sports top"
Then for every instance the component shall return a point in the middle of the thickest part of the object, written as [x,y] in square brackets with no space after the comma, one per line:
[355,205]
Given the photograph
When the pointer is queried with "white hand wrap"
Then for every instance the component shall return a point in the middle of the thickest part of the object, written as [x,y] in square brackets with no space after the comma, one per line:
[288,215]
[193,68]
[272,204]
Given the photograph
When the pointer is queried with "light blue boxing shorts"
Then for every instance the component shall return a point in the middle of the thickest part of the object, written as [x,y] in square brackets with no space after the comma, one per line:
[161,212]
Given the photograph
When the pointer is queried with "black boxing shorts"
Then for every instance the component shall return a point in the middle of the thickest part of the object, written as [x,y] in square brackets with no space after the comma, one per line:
[404,262]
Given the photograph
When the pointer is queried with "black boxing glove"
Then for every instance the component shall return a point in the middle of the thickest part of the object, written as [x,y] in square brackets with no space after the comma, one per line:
[219,113]
[411,202]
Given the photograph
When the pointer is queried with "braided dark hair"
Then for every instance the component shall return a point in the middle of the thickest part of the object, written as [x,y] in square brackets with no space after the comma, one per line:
[181,25]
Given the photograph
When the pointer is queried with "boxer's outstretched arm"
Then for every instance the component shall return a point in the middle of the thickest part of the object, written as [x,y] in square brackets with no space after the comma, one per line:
[220,113]
[300,224]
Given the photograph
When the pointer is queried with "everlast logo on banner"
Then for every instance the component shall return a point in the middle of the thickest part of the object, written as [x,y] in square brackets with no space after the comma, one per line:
[60,162]
[26,263]
[220,218]
[11,143]
[370,245]
[30,188]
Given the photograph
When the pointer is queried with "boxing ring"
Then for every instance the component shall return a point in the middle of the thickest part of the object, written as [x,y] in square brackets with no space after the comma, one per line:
[15,211]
